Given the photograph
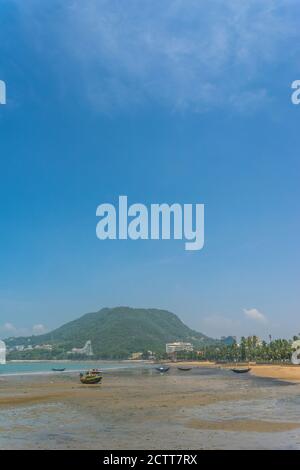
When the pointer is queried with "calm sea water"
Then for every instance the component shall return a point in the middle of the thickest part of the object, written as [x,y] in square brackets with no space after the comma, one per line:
[20,368]
[87,424]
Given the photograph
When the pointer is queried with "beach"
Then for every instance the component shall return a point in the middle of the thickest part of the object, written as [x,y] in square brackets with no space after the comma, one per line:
[208,407]
[287,372]
[282,372]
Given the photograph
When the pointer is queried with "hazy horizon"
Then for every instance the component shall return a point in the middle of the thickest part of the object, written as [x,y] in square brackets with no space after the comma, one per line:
[40,329]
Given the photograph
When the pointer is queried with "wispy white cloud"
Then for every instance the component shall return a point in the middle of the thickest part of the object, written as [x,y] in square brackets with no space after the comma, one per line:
[39,329]
[253,322]
[255,315]
[8,327]
[184,54]
[9,330]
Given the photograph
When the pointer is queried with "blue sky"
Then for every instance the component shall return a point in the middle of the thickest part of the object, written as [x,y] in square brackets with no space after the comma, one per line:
[180,101]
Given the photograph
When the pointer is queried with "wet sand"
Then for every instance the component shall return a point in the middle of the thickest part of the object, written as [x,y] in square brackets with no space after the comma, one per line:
[250,425]
[207,407]
[284,372]
[287,372]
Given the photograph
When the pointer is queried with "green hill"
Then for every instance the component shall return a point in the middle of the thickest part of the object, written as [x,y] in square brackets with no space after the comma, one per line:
[118,332]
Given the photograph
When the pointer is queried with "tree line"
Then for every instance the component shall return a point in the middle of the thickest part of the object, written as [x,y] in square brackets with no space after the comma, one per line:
[249,349]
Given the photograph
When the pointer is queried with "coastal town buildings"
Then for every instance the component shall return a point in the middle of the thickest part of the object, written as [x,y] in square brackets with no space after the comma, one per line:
[86,350]
[136,356]
[178,346]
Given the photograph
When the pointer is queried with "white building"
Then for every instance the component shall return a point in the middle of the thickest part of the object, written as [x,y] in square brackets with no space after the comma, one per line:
[45,347]
[179,346]
[86,350]
[2,352]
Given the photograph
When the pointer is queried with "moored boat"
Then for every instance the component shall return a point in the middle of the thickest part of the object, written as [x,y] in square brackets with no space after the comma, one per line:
[58,370]
[241,371]
[162,369]
[91,377]
[90,380]
[94,372]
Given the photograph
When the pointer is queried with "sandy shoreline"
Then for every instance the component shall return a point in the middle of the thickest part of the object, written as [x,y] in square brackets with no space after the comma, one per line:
[286,372]
[207,407]
[281,372]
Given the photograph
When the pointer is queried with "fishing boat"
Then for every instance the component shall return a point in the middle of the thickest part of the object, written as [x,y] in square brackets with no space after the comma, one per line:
[184,369]
[241,371]
[58,370]
[94,372]
[162,369]
[90,378]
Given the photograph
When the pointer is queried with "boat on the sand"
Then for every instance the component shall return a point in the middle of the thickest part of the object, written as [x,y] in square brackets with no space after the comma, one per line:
[241,371]
[184,369]
[162,369]
[94,372]
[91,377]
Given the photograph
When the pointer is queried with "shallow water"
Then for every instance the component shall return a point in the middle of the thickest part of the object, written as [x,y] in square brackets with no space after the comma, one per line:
[20,368]
[134,419]
[270,410]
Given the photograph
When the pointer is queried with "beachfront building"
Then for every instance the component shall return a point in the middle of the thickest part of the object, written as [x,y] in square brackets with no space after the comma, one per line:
[178,346]
[85,351]
[2,352]
[45,347]
[135,356]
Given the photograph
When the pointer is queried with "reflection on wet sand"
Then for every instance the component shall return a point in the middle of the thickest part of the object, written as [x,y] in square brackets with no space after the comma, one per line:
[244,425]
[203,408]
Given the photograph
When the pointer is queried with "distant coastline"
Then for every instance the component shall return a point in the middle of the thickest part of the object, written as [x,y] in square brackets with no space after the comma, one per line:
[285,372]
[14,361]
[38,367]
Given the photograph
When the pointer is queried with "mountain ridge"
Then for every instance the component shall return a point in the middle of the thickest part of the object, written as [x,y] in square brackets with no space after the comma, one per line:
[118,332]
